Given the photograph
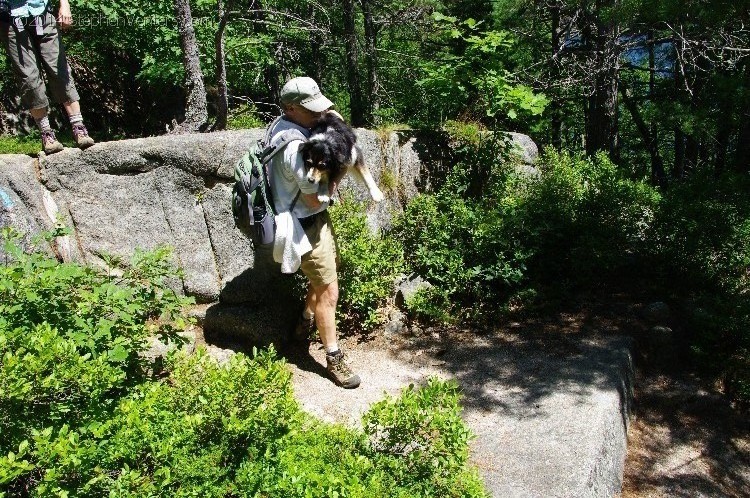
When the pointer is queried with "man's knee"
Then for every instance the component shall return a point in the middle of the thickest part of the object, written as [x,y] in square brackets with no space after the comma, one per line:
[328,293]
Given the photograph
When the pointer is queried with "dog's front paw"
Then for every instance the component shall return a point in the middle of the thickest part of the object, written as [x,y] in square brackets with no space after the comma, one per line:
[376,195]
[323,198]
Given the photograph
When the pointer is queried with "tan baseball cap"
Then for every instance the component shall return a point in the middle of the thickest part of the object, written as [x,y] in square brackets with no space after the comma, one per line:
[305,92]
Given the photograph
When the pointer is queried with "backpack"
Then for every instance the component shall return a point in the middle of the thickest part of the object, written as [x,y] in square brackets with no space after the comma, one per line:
[252,201]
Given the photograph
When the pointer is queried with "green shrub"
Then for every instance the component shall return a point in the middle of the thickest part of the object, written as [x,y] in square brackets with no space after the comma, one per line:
[455,237]
[701,241]
[245,117]
[579,221]
[25,144]
[421,440]
[582,219]
[369,264]
[430,304]
[79,416]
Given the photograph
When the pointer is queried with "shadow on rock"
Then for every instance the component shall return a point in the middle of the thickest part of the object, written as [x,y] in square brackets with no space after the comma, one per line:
[522,372]
[257,308]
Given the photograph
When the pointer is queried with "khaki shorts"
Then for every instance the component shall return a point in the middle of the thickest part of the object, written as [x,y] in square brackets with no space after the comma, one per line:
[23,46]
[320,264]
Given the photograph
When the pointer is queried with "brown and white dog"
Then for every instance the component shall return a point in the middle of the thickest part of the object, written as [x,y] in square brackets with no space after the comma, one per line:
[331,152]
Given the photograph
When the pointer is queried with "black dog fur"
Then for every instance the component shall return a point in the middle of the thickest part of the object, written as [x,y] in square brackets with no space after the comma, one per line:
[330,153]
[330,149]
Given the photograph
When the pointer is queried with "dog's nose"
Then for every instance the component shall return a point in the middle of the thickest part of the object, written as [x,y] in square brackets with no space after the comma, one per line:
[311,180]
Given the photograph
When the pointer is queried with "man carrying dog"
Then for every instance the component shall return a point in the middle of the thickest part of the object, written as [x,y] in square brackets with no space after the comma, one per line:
[302,104]
[29,33]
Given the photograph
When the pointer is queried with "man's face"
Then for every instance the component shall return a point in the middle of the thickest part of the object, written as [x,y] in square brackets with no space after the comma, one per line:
[302,116]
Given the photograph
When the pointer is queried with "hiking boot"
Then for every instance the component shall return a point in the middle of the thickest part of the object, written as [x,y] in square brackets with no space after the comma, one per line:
[81,136]
[304,330]
[50,145]
[340,371]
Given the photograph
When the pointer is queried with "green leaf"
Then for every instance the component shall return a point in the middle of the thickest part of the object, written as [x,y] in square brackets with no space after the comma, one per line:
[118,354]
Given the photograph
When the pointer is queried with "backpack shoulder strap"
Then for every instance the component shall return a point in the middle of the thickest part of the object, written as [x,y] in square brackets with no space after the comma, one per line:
[268,151]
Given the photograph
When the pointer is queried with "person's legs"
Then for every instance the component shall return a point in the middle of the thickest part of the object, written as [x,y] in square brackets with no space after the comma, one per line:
[80,133]
[320,267]
[62,85]
[20,47]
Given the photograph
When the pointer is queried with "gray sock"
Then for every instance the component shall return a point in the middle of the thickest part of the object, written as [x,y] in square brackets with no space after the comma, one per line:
[75,119]
[43,124]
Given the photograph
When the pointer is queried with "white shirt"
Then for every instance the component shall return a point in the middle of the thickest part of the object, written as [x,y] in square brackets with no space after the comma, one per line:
[287,173]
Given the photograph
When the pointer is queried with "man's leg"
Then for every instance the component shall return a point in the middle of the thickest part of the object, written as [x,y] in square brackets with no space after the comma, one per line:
[320,267]
[324,299]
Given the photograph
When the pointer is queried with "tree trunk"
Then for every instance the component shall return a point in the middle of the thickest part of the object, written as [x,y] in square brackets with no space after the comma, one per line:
[222,102]
[555,104]
[318,56]
[678,170]
[652,98]
[352,71]
[602,133]
[658,175]
[196,107]
[371,56]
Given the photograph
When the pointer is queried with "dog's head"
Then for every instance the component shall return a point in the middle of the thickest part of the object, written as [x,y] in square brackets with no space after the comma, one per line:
[320,161]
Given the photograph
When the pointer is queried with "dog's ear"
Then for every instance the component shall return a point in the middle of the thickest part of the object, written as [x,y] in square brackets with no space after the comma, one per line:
[304,147]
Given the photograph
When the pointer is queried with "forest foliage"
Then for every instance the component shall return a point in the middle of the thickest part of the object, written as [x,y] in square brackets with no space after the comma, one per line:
[642,108]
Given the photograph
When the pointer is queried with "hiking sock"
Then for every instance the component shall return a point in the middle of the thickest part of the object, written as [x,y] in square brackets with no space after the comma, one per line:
[333,350]
[43,124]
[75,119]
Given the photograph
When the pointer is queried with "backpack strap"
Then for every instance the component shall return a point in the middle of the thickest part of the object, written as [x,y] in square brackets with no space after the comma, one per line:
[268,151]
[294,202]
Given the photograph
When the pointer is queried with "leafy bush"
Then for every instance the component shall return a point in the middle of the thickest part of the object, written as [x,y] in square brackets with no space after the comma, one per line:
[369,264]
[430,304]
[421,440]
[413,445]
[582,219]
[484,242]
[80,416]
[701,242]
[245,117]
[27,144]
[454,237]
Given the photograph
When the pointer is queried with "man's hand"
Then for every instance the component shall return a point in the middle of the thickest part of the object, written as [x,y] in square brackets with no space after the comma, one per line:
[311,201]
[64,16]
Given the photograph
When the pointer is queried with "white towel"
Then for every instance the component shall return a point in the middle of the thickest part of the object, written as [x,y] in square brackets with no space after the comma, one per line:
[290,243]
